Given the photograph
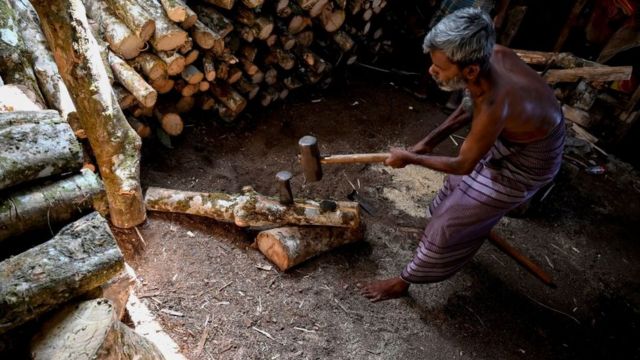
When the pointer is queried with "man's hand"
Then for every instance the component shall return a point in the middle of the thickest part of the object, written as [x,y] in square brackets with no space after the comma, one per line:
[399,158]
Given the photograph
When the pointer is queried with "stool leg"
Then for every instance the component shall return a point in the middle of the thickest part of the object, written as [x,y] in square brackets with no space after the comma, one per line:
[527,263]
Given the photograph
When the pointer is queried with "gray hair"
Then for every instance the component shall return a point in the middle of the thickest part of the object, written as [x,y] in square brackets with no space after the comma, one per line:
[466,36]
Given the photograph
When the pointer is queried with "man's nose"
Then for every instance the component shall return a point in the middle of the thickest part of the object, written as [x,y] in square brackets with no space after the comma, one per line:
[432,71]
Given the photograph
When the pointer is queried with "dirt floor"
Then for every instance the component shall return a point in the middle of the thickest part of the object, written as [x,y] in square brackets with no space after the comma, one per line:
[584,233]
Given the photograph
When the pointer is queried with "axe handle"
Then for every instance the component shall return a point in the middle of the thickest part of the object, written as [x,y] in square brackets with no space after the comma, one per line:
[354,158]
[527,263]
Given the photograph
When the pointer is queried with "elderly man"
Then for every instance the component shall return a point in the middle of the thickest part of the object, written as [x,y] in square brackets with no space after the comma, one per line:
[514,147]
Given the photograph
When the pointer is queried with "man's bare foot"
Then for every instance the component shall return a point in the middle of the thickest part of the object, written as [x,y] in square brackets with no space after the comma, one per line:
[385,289]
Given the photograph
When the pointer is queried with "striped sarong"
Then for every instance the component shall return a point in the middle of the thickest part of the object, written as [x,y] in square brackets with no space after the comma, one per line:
[467,207]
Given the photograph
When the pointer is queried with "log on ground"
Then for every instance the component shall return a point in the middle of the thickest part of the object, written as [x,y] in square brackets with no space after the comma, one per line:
[90,328]
[43,206]
[36,144]
[81,257]
[115,144]
[289,246]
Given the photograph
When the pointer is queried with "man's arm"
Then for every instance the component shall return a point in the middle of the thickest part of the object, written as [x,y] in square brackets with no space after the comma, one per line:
[458,119]
[485,129]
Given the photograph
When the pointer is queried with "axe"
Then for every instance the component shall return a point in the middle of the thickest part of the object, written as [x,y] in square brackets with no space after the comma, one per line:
[311,160]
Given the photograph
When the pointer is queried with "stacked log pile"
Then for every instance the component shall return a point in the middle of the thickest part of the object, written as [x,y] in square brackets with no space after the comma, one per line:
[168,58]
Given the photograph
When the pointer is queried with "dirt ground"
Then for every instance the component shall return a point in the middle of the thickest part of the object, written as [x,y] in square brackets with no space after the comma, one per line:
[584,233]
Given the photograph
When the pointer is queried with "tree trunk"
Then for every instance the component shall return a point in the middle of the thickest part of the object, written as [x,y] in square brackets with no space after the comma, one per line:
[115,144]
[120,38]
[46,71]
[36,144]
[289,246]
[82,256]
[253,209]
[43,206]
[90,328]
[14,59]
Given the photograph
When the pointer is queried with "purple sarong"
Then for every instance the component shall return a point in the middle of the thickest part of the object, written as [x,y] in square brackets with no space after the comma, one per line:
[467,207]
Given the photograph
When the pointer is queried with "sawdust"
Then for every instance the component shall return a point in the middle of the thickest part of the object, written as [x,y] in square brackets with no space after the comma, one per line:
[413,188]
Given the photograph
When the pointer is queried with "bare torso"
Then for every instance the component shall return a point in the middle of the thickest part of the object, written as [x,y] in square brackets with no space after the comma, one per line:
[524,100]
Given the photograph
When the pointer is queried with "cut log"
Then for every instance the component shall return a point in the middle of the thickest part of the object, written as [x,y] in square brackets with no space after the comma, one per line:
[176,10]
[245,16]
[331,19]
[190,20]
[137,19]
[263,27]
[115,144]
[118,289]
[207,38]
[191,57]
[287,41]
[187,46]
[163,85]
[289,246]
[229,97]
[252,4]
[298,23]
[175,62]
[192,75]
[271,40]
[121,40]
[18,98]
[247,88]
[206,102]
[204,86]
[132,81]
[305,38]
[563,60]
[36,144]
[576,115]
[186,89]
[209,67]
[225,4]
[214,20]
[142,111]
[150,65]
[167,35]
[251,209]
[44,66]
[170,121]
[143,130]
[124,97]
[318,7]
[283,9]
[271,76]
[234,75]
[595,73]
[90,328]
[344,41]
[14,59]
[185,104]
[81,257]
[42,206]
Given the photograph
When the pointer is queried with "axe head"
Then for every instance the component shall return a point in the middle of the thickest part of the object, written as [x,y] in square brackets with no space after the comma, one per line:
[310,158]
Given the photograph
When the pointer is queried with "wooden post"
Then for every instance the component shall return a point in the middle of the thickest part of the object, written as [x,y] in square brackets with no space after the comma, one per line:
[81,257]
[115,144]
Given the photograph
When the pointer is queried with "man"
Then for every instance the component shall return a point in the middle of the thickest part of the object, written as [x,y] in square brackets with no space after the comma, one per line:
[514,147]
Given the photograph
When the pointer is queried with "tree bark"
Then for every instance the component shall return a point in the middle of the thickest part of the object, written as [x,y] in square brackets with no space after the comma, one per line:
[14,59]
[36,144]
[46,71]
[115,144]
[252,209]
[289,246]
[82,256]
[90,328]
[176,10]
[43,206]
[214,20]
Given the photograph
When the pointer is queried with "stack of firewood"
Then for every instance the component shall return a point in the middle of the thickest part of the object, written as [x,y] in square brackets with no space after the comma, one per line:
[168,58]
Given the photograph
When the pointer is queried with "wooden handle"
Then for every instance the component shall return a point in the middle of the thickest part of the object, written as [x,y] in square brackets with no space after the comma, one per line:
[355,158]
[527,263]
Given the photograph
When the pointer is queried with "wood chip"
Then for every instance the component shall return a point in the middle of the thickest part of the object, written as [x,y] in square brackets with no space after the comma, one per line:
[171,312]
[265,267]
[263,332]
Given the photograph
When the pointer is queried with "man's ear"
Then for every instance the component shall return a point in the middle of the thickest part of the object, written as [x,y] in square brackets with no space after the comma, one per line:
[471,72]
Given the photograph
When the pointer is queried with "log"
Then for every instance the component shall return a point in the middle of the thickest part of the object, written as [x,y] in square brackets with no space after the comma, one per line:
[214,20]
[204,86]
[137,19]
[170,121]
[225,4]
[124,97]
[192,75]
[563,60]
[234,75]
[121,40]
[132,81]
[115,145]
[252,4]
[289,246]
[596,73]
[18,98]
[40,207]
[208,67]
[247,88]
[90,328]
[283,9]
[185,104]
[186,89]
[36,144]
[191,57]
[167,35]
[81,257]
[344,41]
[118,289]
[229,97]
[143,130]
[187,46]
[207,38]
[287,41]
[163,85]
[305,38]
[206,102]
[251,209]
[14,59]
[175,62]
[576,115]
[331,19]
[263,27]
[191,18]
[245,16]
[150,65]
[44,66]
[298,23]
[176,10]
[318,7]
